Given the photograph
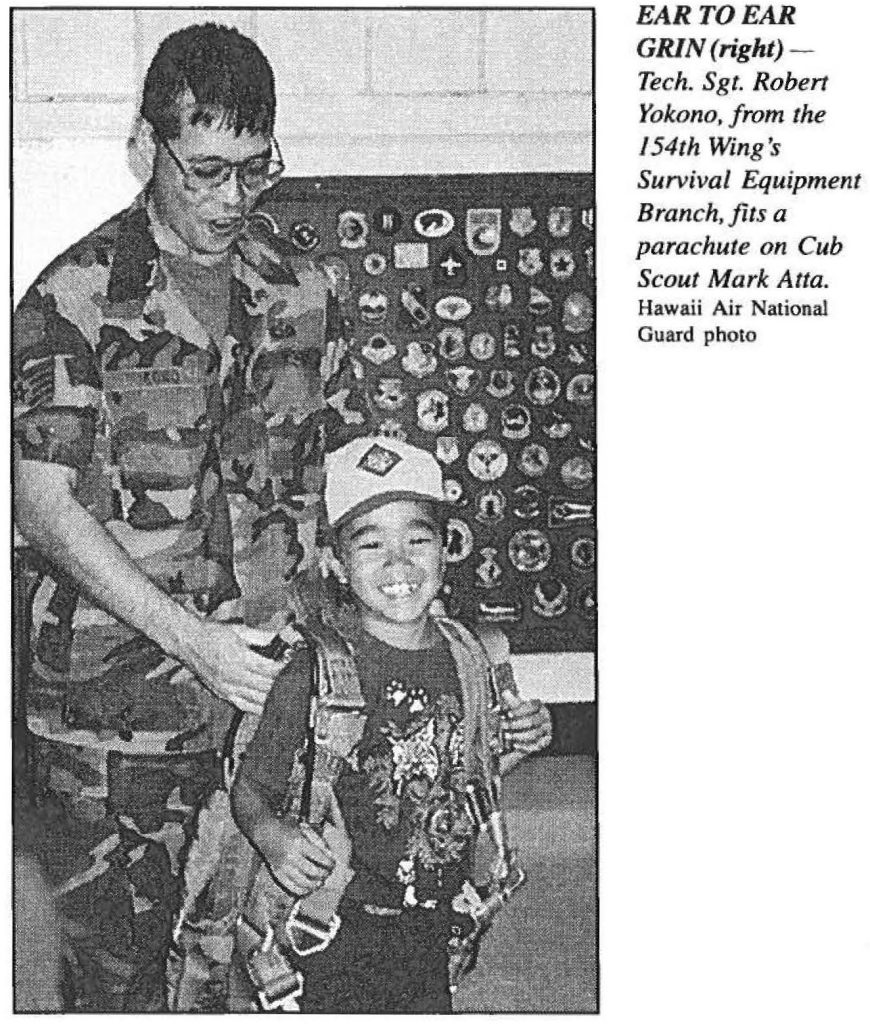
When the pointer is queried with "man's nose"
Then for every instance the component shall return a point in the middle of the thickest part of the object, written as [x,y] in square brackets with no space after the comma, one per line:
[232,189]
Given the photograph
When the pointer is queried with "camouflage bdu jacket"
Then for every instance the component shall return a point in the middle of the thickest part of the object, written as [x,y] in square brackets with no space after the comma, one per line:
[201,456]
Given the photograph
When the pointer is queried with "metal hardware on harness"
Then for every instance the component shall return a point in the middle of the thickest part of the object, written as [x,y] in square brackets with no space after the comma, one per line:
[324,933]
[278,984]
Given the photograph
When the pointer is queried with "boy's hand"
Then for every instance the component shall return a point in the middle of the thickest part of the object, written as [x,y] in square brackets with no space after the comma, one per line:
[527,723]
[299,860]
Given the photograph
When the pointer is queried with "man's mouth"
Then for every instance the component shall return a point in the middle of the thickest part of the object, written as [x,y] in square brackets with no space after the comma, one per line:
[225,225]
[399,591]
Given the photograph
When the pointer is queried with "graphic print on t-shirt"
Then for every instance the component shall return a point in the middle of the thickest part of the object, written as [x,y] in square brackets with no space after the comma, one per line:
[414,770]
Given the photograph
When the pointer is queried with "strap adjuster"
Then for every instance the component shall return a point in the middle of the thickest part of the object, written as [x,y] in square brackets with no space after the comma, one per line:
[299,925]
[278,984]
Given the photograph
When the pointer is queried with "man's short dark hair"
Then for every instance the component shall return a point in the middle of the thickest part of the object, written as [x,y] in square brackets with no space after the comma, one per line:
[231,82]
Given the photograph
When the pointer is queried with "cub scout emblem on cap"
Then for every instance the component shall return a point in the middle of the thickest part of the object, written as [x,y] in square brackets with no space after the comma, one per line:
[379,460]
[483,231]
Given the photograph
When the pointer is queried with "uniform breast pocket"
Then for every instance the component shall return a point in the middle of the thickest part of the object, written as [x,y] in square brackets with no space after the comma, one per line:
[159,428]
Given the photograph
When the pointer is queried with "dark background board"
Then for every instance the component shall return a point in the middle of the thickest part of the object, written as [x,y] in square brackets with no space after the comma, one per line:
[525,557]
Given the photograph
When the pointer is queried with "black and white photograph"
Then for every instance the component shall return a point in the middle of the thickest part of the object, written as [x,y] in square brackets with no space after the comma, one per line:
[305,546]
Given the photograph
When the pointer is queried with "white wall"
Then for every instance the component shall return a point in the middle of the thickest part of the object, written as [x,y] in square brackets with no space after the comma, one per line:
[359,92]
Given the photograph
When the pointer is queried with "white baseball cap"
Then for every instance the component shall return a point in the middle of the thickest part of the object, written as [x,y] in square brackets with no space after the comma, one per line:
[372,471]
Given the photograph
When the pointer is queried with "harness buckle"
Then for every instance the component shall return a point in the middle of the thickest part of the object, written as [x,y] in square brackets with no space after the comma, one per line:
[278,983]
[300,929]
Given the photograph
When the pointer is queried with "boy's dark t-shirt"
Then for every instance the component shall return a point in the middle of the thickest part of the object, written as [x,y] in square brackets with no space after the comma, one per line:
[403,804]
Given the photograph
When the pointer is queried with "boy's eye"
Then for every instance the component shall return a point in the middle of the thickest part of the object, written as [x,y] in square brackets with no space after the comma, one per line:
[422,540]
[368,545]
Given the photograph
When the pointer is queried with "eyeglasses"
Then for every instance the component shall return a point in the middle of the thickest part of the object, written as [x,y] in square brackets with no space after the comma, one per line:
[254,174]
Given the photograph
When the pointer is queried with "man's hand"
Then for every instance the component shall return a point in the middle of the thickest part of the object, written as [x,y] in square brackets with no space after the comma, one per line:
[298,859]
[220,655]
[527,723]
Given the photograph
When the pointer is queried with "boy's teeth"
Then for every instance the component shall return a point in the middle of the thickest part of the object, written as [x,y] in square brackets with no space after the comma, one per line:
[398,589]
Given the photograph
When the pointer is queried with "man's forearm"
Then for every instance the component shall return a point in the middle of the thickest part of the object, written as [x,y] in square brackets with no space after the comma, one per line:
[50,518]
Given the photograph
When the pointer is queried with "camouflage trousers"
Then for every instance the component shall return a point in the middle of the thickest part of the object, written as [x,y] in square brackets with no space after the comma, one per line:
[115,829]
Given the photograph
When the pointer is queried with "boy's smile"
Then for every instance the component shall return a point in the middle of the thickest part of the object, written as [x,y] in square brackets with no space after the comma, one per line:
[394,560]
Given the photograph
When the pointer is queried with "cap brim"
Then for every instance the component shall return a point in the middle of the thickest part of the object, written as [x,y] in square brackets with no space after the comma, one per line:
[385,498]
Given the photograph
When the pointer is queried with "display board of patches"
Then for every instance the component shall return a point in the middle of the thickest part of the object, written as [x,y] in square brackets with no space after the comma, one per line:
[468,302]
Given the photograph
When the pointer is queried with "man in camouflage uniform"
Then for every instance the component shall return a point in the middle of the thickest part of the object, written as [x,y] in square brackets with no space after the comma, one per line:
[169,380]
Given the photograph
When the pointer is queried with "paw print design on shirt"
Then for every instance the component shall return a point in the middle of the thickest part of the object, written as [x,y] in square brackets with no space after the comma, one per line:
[395,692]
[418,699]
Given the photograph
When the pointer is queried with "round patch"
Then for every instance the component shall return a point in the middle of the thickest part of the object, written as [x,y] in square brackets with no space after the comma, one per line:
[527,502]
[556,426]
[581,389]
[583,553]
[516,422]
[562,264]
[304,236]
[373,307]
[542,386]
[463,379]
[352,229]
[487,460]
[550,598]
[534,460]
[482,346]
[544,341]
[576,472]
[475,419]
[379,349]
[375,263]
[488,572]
[433,411]
[452,307]
[459,540]
[387,220]
[433,223]
[578,313]
[451,344]
[501,383]
[490,505]
[454,492]
[529,550]
[420,359]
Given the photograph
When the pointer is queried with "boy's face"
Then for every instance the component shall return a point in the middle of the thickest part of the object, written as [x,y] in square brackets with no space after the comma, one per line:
[394,560]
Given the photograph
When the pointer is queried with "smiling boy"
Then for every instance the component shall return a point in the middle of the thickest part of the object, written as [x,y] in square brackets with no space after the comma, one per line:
[400,796]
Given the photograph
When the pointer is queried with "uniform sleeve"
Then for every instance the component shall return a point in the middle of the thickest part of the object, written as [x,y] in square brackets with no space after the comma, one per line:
[268,760]
[55,382]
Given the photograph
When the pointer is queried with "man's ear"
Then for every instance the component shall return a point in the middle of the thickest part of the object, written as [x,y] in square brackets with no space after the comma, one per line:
[142,150]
